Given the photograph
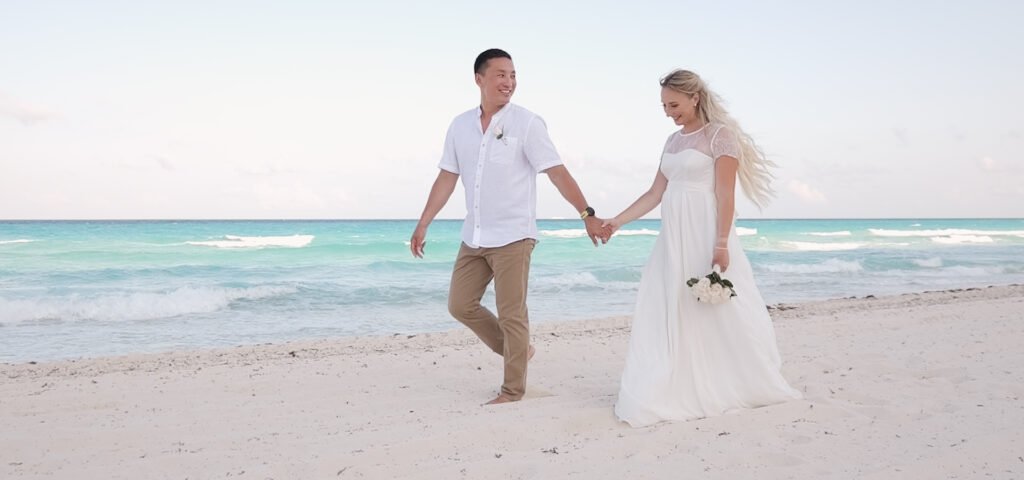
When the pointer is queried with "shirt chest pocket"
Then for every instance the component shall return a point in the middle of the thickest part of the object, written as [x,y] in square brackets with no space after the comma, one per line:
[504,151]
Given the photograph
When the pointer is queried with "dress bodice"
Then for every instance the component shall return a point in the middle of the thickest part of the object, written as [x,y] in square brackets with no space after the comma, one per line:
[690,170]
[688,160]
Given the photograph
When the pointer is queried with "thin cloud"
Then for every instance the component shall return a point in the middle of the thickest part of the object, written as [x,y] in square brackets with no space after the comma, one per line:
[25,113]
[989,164]
[805,192]
[165,162]
[264,170]
[295,196]
[901,135]
[148,163]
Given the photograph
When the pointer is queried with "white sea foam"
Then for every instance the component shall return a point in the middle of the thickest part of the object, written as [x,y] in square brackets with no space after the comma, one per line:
[745,232]
[964,271]
[133,306]
[567,233]
[844,233]
[565,280]
[823,247]
[958,239]
[642,231]
[879,232]
[934,262]
[832,265]
[233,241]
[20,240]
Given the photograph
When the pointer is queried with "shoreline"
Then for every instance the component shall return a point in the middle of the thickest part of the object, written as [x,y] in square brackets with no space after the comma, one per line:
[774,309]
[924,385]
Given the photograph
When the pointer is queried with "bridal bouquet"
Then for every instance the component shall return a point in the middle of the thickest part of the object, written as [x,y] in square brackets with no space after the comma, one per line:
[712,288]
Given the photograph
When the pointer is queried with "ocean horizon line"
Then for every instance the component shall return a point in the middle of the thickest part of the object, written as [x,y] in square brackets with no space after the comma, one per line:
[139,220]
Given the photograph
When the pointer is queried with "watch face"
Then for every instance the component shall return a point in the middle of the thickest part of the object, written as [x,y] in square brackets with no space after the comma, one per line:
[590,211]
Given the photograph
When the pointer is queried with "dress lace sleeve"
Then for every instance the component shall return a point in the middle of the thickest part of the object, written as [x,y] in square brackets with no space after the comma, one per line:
[725,144]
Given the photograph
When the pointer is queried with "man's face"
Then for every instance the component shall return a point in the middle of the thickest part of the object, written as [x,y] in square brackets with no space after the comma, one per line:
[498,82]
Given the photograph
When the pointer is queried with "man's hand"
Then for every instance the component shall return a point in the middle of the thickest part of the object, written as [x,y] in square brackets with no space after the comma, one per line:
[594,230]
[418,241]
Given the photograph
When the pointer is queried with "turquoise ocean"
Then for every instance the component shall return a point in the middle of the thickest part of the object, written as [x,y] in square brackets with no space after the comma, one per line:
[72,289]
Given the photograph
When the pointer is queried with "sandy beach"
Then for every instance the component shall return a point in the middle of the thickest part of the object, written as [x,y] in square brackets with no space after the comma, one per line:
[925,385]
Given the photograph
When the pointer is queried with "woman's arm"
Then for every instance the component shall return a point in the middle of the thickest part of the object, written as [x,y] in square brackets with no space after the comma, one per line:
[650,199]
[725,198]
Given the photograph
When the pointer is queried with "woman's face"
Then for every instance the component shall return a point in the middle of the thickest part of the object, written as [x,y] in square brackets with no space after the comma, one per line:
[680,107]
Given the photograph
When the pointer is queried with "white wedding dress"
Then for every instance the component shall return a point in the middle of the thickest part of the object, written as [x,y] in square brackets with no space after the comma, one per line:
[686,359]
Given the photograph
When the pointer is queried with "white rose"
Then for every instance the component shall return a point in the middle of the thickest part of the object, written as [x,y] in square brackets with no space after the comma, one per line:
[717,294]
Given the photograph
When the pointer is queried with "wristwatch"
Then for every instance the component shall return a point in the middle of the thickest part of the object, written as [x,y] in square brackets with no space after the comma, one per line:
[587,212]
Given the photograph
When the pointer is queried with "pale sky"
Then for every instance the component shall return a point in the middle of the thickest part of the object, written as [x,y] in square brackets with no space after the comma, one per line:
[304,109]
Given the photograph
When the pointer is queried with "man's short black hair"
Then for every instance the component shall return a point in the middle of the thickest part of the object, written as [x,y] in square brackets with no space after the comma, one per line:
[481,60]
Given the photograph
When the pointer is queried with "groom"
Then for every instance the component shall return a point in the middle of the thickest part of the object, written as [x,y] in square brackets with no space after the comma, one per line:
[498,148]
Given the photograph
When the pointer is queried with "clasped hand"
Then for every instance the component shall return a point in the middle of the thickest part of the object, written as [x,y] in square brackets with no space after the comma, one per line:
[600,230]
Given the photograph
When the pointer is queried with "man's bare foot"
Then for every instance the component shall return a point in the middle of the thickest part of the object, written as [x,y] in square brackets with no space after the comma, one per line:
[500,399]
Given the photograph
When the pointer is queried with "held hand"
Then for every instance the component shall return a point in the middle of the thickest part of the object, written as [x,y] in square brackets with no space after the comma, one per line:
[594,230]
[611,226]
[418,241]
[721,258]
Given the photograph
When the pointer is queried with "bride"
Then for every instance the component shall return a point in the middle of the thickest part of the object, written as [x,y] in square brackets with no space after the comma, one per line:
[690,359]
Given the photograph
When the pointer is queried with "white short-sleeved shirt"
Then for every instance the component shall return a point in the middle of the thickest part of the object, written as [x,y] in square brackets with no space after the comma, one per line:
[499,174]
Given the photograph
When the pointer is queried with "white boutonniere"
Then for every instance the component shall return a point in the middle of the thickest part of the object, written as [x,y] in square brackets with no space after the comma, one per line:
[499,133]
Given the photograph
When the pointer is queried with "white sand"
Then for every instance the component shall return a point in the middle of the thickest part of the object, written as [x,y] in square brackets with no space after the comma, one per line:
[915,386]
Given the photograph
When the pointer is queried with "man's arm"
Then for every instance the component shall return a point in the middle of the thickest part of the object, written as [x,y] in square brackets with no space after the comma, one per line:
[570,190]
[442,190]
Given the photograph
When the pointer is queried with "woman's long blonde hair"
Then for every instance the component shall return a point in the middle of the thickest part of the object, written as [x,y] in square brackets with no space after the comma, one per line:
[754,170]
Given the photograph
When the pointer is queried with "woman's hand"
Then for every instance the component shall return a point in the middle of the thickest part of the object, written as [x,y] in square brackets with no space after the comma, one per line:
[611,226]
[721,258]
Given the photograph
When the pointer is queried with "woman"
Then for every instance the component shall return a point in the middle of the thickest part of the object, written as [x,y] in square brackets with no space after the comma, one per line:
[688,359]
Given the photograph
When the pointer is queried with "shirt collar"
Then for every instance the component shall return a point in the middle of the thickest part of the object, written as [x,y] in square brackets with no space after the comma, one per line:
[496,119]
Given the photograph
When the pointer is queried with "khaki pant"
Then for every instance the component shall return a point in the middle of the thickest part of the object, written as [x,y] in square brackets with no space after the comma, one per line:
[508,334]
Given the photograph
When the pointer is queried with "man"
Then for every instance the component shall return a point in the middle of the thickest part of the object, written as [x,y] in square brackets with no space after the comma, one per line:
[498,149]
